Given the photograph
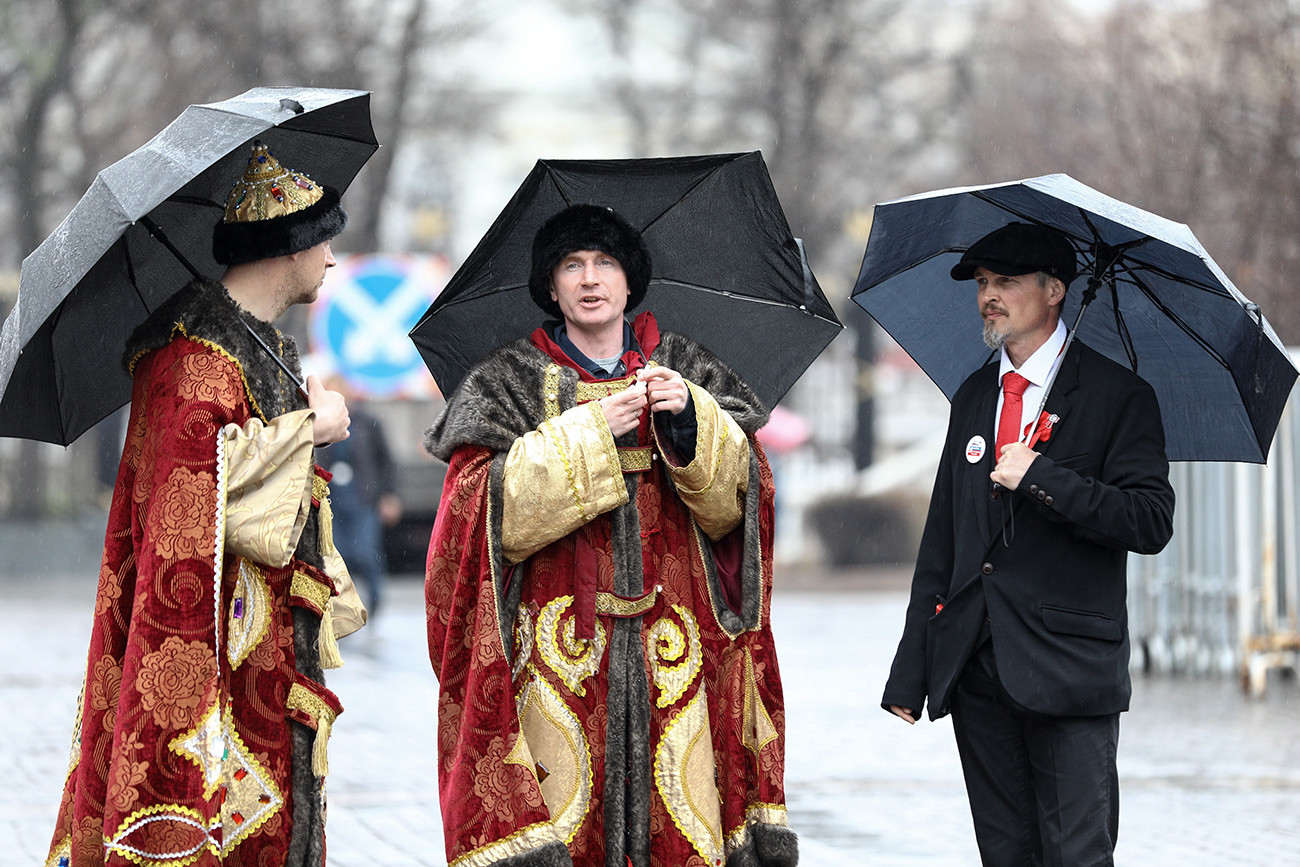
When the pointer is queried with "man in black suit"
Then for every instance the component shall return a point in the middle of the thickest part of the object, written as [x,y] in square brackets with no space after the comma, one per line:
[1017,622]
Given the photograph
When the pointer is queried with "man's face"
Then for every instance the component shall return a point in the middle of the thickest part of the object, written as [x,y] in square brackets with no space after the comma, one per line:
[1018,308]
[309,272]
[590,288]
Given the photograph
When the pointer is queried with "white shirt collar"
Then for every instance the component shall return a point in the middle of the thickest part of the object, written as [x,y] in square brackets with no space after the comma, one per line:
[1038,366]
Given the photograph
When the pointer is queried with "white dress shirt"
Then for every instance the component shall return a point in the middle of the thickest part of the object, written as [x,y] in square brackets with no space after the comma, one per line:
[1038,369]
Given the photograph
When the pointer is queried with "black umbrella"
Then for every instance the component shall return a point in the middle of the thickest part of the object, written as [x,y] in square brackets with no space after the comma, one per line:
[138,234]
[726,269]
[1169,312]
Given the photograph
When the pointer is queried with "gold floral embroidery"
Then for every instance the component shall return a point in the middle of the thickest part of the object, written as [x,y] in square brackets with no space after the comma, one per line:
[128,774]
[683,771]
[668,645]
[561,753]
[175,679]
[182,515]
[572,659]
[250,613]
[206,378]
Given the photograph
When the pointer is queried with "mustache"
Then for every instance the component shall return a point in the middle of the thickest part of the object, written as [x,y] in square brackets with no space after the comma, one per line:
[993,308]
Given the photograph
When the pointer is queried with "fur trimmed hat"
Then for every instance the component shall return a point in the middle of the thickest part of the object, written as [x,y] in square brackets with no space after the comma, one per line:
[588,227]
[273,211]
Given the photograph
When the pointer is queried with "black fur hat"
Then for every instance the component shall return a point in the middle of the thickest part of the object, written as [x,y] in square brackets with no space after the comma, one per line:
[588,227]
[273,211]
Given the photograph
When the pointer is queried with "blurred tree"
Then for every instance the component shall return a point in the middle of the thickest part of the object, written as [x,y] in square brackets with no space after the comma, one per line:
[851,101]
[88,81]
[1187,110]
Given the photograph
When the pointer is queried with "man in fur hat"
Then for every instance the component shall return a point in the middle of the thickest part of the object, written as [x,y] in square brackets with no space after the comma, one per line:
[598,587]
[203,720]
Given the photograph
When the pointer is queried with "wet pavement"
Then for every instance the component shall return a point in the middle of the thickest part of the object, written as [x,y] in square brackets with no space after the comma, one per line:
[1208,776]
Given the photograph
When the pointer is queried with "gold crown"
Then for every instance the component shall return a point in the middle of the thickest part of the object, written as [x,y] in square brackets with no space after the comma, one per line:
[268,190]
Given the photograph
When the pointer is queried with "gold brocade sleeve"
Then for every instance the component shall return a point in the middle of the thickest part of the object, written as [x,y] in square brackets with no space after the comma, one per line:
[557,478]
[268,482]
[347,611]
[713,485]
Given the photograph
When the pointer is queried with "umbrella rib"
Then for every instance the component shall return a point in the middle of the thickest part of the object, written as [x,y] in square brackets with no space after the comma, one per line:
[1187,329]
[1155,269]
[692,188]
[734,296]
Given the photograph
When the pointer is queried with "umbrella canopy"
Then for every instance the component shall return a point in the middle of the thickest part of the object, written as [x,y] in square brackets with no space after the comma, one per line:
[726,269]
[1166,309]
[101,272]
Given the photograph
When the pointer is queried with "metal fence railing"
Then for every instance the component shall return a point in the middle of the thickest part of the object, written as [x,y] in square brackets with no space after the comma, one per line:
[1224,597]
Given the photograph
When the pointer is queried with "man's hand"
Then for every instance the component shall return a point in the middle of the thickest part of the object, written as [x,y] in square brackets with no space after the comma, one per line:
[665,389]
[905,713]
[1012,465]
[331,422]
[623,410]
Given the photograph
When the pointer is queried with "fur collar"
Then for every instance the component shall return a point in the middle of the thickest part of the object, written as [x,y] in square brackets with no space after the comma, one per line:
[502,397]
[205,311]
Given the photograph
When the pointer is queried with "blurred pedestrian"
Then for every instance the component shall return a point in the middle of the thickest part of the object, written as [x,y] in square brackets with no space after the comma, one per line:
[204,718]
[598,587]
[1017,622]
[363,495]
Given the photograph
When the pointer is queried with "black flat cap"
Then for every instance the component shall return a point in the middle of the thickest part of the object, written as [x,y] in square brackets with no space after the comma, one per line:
[1020,248]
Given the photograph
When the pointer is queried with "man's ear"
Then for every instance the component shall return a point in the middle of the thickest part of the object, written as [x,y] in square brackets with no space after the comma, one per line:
[550,283]
[1056,291]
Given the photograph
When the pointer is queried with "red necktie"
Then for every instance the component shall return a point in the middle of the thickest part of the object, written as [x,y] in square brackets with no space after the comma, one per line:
[1013,390]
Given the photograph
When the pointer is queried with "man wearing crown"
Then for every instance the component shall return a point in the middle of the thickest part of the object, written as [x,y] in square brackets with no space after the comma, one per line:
[598,587]
[204,718]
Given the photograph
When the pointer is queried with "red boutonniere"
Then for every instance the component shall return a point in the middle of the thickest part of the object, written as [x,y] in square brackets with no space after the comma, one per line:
[1043,430]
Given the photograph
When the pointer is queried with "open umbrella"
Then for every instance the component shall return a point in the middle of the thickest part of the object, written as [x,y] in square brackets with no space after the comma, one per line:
[138,235]
[1168,311]
[726,269]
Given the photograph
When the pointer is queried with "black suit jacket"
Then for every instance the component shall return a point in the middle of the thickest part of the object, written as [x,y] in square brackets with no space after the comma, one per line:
[1055,596]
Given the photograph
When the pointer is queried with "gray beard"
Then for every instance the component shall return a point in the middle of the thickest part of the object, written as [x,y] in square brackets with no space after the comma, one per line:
[993,338]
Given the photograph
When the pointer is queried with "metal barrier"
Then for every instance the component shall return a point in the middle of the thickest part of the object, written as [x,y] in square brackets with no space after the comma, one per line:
[1225,595]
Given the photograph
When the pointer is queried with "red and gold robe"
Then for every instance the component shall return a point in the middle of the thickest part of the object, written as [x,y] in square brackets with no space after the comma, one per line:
[598,621]
[218,603]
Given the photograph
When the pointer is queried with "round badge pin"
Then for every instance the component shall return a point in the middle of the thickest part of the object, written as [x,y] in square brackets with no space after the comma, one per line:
[975,449]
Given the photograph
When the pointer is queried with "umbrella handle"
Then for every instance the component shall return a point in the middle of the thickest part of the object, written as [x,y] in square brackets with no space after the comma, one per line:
[293,377]
[161,237]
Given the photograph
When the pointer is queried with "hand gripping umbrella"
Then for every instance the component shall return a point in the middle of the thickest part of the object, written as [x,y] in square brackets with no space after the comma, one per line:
[141,231]
[1170,313]
[726,270]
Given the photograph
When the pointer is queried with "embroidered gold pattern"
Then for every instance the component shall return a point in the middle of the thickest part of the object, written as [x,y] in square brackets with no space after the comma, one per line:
[551,390]
[587,391]
[668,645]
[524,840]
[683,771]
[173,813]
[249,794]
[572,659]
[525,636]
[557,742]
[205,745]
[636,459]
[548,430]
[61,854]
[758,728]
[304,700]
[250,613]
[619,606]
[307,587]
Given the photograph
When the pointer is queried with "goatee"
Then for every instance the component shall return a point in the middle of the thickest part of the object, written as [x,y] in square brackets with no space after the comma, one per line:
[993,338]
